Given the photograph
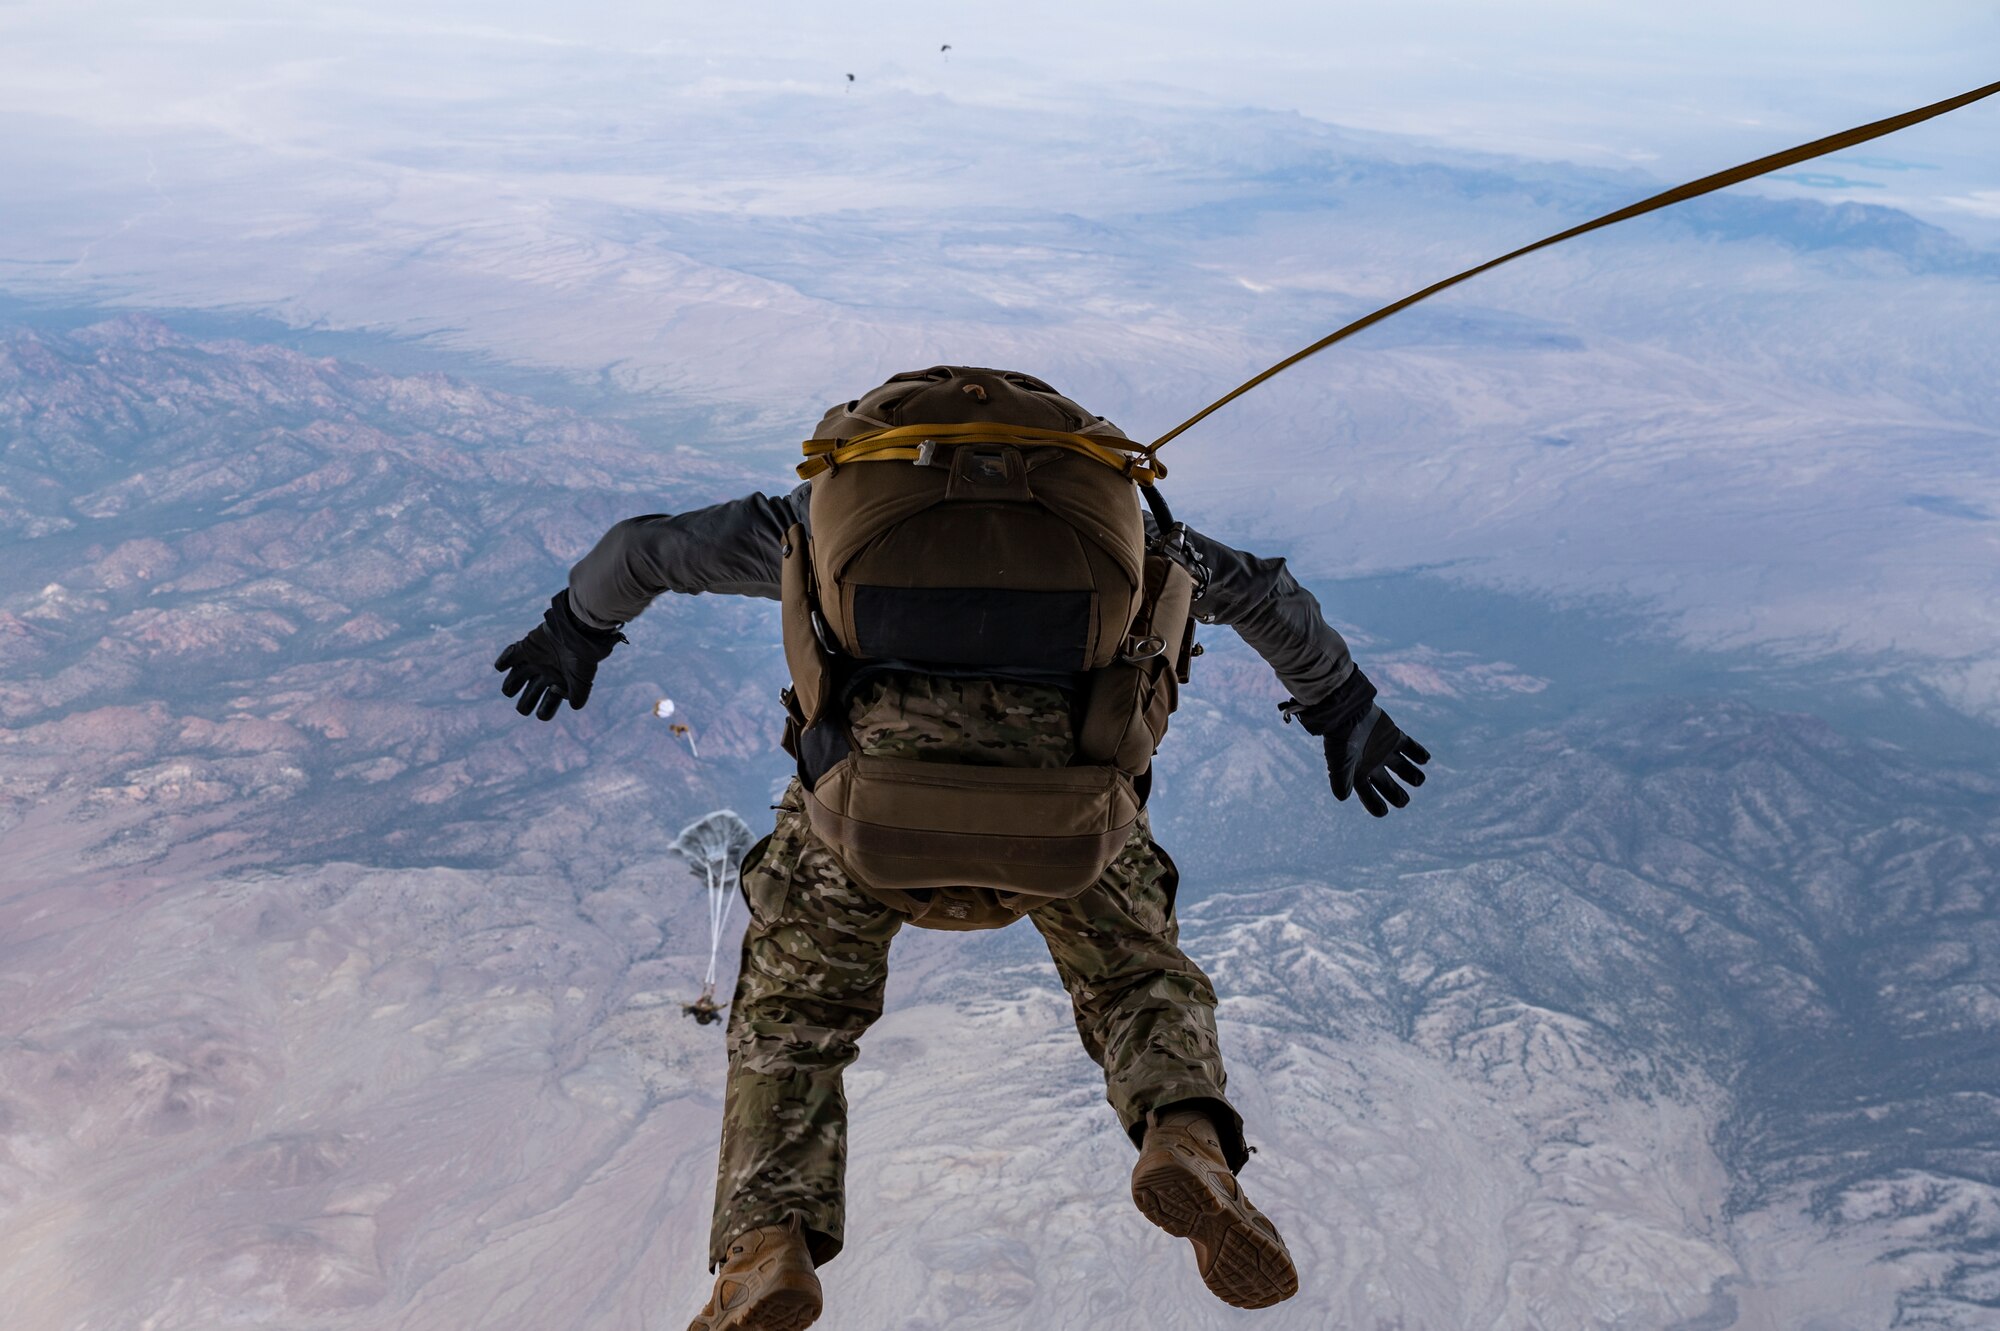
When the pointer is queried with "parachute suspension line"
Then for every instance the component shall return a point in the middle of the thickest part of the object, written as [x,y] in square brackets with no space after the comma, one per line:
[721,897]
[1735,175]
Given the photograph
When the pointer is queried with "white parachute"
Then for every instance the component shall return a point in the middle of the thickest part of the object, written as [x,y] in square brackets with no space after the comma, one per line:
[664,710]
[714,847]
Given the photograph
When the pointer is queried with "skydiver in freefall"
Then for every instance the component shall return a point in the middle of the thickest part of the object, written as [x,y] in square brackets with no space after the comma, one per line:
[916,726]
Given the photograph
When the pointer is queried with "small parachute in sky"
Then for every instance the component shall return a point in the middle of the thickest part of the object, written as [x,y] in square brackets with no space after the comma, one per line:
[681,730]
[713,847]
[945,51]
[850,78]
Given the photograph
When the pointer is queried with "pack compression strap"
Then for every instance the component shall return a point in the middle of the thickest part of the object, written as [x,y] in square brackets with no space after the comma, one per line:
[909,443]
[1735,175]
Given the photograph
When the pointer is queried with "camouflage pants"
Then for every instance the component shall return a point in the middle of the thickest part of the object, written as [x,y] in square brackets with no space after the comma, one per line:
[815,959]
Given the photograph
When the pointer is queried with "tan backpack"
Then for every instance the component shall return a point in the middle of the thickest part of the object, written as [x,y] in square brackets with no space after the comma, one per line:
[971,520]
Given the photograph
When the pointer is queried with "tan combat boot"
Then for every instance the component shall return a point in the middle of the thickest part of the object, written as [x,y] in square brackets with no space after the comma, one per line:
[1182,1183]
[766,1284]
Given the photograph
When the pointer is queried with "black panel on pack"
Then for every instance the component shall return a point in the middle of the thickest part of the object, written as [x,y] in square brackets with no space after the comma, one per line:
[821,745]
[974,626]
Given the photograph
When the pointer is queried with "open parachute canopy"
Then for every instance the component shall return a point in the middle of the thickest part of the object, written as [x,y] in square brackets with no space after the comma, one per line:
[713,847]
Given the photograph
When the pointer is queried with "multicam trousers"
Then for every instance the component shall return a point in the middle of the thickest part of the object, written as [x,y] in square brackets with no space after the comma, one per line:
[815,959]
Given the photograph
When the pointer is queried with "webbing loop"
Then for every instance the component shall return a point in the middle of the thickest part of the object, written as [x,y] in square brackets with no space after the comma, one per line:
[907,443]
[1735,175]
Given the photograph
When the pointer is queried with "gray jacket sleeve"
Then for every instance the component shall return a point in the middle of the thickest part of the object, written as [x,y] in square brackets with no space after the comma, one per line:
[1280,620]
[734,548]
[731,548]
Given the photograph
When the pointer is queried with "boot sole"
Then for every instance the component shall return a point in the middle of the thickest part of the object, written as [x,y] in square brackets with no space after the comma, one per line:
[779,1310]
[1247,1265]
[783,1310]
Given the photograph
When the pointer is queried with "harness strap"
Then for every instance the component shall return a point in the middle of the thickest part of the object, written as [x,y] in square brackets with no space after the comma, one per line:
[1735,175]
[912,443]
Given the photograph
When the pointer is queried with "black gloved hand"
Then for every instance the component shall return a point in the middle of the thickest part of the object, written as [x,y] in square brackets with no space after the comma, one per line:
[1371,759]
[556,661]
[1365,750]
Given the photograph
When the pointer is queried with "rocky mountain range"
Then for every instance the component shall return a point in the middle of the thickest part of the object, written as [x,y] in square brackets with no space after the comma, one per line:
[339,996]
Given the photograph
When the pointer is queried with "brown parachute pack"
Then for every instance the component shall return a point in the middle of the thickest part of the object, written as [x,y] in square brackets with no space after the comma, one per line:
[976,521]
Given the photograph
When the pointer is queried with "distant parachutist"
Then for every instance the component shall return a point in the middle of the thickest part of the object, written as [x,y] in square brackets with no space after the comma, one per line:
[705,1010]
[663,709]
[945,51]
[850,78]
[713,848]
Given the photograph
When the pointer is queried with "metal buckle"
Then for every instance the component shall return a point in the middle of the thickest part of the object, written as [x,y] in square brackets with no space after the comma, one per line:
[1145,649]
[1177,546]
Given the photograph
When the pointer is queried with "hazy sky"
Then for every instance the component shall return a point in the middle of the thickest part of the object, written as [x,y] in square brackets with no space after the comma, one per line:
[1679,89]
